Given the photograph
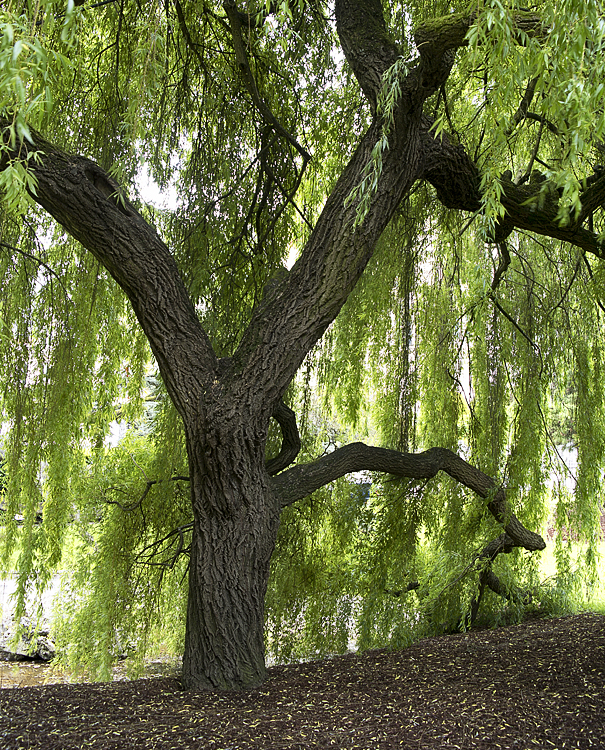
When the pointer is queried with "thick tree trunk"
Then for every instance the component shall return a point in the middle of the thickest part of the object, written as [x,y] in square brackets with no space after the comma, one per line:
[235,527]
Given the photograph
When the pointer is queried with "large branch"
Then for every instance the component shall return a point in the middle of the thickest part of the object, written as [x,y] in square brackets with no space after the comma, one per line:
[533,207]
[302,480]
[440,35]
[370,50]
[366,43]
[449,169]
[296,312]
[92,208]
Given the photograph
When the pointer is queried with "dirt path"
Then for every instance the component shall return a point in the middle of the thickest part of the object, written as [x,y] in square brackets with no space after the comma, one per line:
[536,685]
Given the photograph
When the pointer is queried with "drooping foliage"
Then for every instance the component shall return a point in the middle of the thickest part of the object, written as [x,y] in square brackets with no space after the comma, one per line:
[245,117]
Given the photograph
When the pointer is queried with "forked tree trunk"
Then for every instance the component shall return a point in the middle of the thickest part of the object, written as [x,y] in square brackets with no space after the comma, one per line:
[235,526]
[236,511]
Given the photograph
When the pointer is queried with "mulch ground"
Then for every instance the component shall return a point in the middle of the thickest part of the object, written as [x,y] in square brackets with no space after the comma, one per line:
[540,684]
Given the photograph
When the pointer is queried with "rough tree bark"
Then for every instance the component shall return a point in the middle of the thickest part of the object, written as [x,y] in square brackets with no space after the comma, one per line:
[226,404]
[236,516]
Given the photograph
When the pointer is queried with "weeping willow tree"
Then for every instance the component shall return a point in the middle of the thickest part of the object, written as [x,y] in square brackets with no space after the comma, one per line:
[430,174]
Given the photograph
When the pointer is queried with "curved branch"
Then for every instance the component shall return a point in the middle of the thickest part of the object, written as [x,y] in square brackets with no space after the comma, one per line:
[442,34]
[302,480]
[290,446]
[297,311]
[187,34]
[513,322]
[521,112]
[502,266]
[449,169]
[593,196]
[438,39]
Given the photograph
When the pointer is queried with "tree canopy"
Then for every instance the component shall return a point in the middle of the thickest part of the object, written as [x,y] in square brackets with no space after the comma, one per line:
[387,216]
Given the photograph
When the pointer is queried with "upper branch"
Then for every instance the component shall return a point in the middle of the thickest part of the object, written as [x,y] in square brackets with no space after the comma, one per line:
[370,50]
[296,312]
[302,480]
[533,207]
[434,38]
[437,41]
[365,42]
[92,208]
[242,60]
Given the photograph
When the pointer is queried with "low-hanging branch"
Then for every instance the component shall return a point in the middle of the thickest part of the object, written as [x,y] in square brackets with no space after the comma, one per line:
[481,562]
[302,480]
[487,577]
[137,503]
[147,555]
